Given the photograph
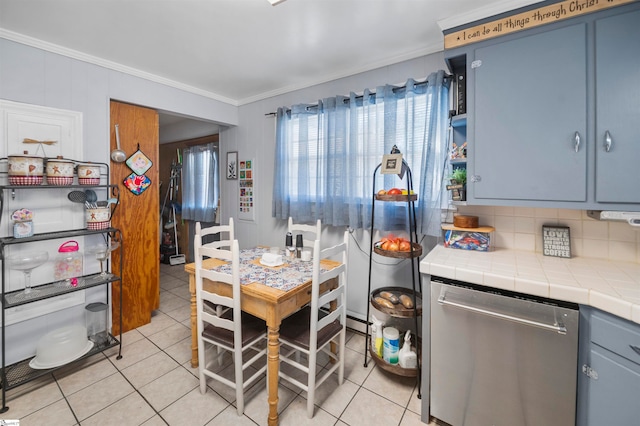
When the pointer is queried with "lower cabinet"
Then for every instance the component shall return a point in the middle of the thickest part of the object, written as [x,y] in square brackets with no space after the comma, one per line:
[609,383]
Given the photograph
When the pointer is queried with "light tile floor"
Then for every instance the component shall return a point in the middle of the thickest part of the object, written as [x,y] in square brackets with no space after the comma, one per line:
[154,384]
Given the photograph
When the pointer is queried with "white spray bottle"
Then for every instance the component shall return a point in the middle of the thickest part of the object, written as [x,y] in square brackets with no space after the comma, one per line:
[406,357]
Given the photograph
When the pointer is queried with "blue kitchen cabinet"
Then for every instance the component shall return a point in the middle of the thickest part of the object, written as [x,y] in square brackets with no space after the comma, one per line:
[617,130]
[530,106]
[543,105]
[609,383]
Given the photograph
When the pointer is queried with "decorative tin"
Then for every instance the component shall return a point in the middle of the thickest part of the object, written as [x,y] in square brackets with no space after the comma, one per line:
[88,174]
[25,169]
[98,218]
[60,172]
[23,223]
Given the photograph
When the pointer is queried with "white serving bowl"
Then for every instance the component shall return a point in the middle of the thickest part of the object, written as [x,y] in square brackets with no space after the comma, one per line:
[61,346]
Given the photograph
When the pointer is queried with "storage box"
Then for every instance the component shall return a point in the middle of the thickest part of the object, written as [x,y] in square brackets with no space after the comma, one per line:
[478,239]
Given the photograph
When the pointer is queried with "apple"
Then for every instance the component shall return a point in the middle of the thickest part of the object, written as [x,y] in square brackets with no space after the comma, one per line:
[404,245]
[394,191]
[393,246]
[382,192]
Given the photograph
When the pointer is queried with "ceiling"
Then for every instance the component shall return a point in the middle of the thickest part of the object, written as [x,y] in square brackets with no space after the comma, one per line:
[239,51]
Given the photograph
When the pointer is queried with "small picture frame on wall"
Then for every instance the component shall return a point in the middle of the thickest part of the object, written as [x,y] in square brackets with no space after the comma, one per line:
[556,241]
[232,165]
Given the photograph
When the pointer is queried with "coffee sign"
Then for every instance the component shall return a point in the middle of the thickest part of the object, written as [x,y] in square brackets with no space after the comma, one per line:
[556,241]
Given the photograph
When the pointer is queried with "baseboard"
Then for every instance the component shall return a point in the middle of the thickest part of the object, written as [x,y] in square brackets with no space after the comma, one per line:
[356,324]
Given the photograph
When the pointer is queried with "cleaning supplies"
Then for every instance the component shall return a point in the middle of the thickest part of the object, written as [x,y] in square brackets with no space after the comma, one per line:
[391,345]
[376,336]
[407,357]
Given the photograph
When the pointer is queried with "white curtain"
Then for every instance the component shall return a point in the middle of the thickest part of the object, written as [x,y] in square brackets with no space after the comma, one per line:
[200,182]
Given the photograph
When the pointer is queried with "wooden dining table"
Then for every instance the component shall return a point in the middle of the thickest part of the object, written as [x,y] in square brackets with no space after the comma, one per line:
[271,301]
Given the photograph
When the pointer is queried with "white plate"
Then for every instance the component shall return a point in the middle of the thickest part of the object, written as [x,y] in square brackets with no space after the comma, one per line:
[38,366]
[273,265]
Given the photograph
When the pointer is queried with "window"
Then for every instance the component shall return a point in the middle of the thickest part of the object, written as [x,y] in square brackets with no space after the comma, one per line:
[200,179]
[326,154]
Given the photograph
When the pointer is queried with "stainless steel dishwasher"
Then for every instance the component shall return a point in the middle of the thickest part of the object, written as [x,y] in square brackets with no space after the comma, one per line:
[501,358]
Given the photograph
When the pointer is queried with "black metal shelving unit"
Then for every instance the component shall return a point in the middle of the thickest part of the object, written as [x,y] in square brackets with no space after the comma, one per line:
[415,291]
[19,373]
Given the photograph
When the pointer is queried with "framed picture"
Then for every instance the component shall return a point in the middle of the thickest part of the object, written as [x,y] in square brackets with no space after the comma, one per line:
[391,164]
[556,241]
[232,165]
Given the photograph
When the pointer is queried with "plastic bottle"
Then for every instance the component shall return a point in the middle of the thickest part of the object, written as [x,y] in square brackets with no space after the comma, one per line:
[407,358]
[391,345]
[376,336]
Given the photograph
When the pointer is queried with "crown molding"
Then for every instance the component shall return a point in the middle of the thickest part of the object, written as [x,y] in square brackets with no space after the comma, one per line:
[74,54]
[431,48]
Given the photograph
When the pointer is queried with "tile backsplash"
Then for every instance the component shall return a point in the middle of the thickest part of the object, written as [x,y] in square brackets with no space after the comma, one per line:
[520,228]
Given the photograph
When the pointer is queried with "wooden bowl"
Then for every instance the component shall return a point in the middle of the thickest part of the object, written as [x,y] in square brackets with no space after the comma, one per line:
[463,221]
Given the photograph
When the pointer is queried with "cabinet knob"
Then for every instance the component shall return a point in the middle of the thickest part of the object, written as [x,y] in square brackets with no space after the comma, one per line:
[576,139]
[607,141]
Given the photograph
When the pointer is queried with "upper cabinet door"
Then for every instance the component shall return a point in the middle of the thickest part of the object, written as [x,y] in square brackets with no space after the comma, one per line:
[531,117]
[618,108]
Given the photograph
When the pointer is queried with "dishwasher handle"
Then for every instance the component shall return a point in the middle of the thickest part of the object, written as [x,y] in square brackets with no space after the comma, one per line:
[559,328]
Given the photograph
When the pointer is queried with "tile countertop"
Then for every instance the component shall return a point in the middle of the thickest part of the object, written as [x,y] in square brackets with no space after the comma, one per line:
[611,286]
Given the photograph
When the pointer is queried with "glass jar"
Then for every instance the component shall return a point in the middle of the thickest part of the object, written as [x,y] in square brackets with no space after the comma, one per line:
[68,263]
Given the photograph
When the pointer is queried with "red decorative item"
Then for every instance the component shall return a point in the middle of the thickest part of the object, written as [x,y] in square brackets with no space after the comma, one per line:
[137,184]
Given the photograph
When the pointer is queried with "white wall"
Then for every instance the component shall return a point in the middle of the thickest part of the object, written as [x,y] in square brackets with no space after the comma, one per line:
[31,75]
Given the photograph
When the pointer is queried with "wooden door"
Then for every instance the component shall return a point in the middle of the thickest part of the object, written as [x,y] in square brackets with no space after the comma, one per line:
[137,217]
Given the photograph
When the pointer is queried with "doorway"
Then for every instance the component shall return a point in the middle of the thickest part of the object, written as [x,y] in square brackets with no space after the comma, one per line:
[170,155]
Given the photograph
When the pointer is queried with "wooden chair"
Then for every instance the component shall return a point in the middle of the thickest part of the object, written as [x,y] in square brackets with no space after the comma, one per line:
[227,329]
[310,330]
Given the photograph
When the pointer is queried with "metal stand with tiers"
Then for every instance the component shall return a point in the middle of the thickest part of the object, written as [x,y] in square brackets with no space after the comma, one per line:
[398,311]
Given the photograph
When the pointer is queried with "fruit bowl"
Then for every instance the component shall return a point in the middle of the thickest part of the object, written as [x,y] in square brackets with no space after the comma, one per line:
[417,251]
[396,197]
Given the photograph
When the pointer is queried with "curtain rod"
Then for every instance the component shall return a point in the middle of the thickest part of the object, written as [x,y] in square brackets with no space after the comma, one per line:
[404,86]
